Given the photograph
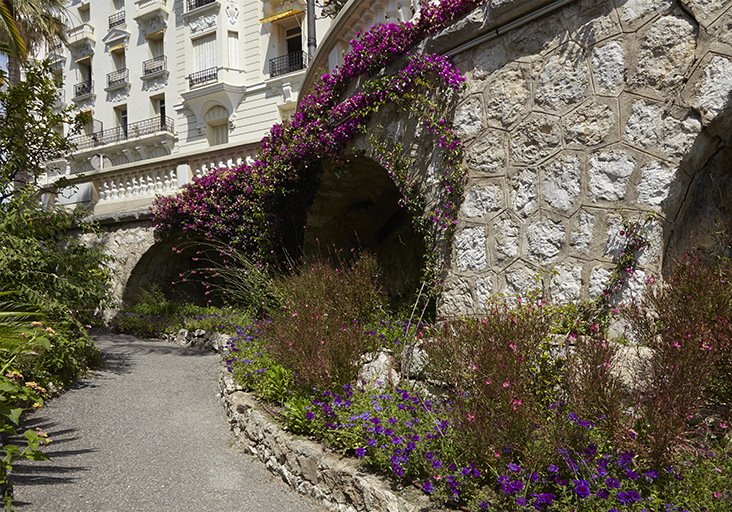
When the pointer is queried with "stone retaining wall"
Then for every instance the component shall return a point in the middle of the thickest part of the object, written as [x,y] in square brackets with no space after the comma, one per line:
[598,107]
[336,482]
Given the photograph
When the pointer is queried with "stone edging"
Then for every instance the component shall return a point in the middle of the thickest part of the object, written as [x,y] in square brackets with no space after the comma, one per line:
[305,466]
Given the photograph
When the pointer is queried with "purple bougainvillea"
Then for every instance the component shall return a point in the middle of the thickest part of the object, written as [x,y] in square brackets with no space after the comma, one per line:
[258,207]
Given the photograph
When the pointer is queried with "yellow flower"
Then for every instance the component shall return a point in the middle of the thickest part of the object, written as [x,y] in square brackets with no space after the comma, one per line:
[37,324]
[50,331]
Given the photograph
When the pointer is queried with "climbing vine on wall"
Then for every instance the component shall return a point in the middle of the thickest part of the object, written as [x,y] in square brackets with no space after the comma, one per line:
[636,240]
[260,208]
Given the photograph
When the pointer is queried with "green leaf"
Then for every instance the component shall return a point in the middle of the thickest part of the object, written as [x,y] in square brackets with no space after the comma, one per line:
[36,455]
[11,448]
[14,415]
[44,342]
[8,387]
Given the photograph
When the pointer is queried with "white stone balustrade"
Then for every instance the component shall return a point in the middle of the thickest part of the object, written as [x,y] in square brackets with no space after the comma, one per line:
[207,167]
[85,29]
[137,184]
[144,4]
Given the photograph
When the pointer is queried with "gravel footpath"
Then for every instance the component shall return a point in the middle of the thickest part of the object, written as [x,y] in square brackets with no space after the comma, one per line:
[146,434]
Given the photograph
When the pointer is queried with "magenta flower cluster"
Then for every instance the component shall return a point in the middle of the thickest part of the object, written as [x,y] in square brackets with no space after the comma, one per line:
[254,207]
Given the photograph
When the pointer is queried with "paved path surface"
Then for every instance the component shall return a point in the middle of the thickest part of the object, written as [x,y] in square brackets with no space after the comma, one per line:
[146,434]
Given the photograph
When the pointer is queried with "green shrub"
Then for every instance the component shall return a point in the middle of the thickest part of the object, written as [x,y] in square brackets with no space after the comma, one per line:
[687,324]
[67,278]
[319,333]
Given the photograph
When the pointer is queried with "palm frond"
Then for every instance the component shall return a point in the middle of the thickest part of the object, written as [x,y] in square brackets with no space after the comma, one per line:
[9,33]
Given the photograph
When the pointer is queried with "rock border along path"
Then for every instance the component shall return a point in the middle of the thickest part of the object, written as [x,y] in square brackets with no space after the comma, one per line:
[304,465]
[146,434]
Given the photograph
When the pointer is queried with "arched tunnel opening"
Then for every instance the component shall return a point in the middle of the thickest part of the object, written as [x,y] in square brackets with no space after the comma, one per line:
[705,219]
[357,207]
[166,265]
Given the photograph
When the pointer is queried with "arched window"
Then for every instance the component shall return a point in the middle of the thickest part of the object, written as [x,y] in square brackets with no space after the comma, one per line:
[217,119]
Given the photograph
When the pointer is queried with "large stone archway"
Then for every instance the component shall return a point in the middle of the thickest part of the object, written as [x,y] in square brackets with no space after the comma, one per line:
[357,207]
[139,260]
[567,118]
[570,121]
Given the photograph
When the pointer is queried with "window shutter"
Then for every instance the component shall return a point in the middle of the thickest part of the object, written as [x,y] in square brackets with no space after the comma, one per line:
[204,52]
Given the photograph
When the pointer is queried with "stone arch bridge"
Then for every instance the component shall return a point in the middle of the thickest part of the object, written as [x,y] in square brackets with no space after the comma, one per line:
[574,111]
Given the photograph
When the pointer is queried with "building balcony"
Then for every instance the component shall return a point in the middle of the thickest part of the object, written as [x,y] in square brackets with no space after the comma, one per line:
[288,63]
[120,134]
[151,15]
[83,89]
[154,66]
[81,36]
[57,58]
[118,78]
[204,76]
[116,19]
[59,97]
[195,4]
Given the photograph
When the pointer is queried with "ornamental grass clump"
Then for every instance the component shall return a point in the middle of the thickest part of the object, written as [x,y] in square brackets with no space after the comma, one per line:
[594,388]
[492,367]
[686,322]
[319,333]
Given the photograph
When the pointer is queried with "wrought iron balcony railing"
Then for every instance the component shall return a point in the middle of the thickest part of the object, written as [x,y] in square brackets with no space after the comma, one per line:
[116,19]
[83,88]
[203,76]
[195,4]
[122,133]
[155,65]
[288,63]
[119,77]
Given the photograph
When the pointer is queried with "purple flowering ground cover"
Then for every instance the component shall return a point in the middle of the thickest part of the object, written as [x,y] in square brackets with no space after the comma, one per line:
[411,436]
[511,417]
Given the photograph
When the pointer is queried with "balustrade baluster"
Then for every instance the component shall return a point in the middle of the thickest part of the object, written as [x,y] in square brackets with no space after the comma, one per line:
[135,187]
[405,12]
[391,12]
[115,192]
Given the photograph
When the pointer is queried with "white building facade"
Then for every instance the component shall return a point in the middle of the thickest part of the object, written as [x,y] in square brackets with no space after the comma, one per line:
[174,88]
